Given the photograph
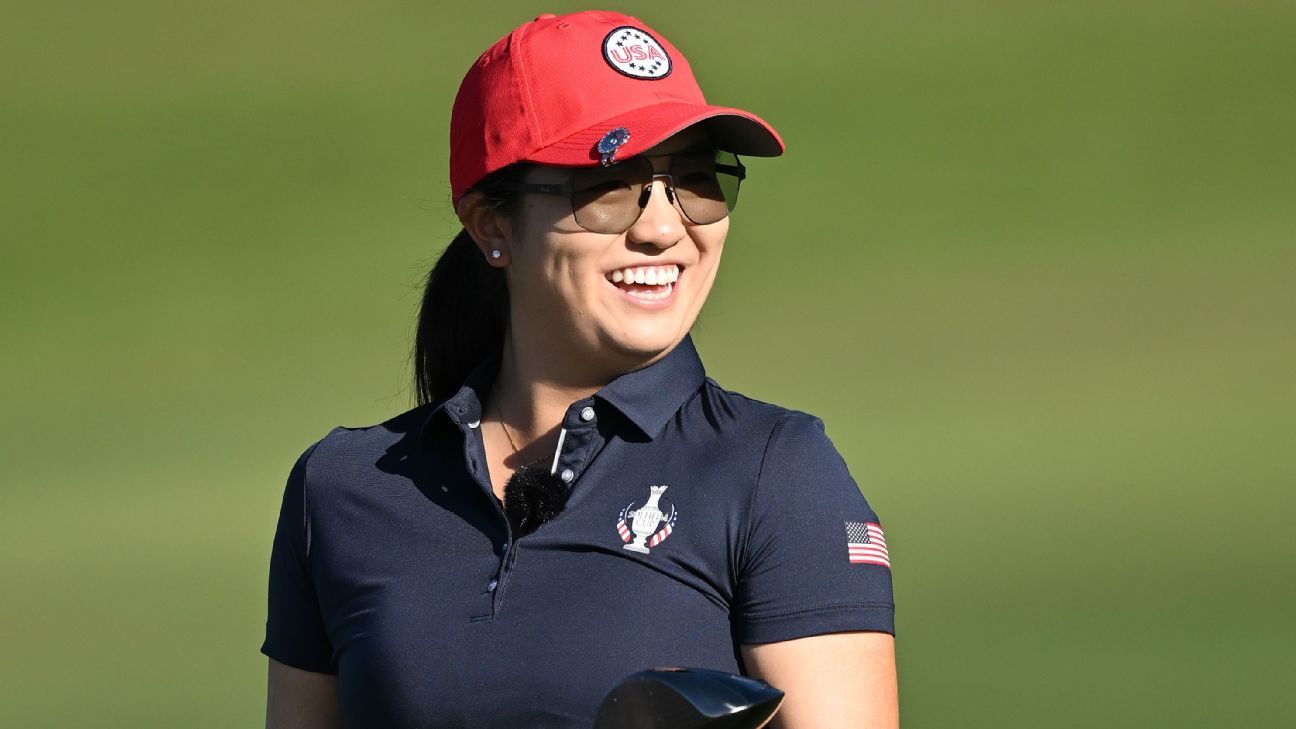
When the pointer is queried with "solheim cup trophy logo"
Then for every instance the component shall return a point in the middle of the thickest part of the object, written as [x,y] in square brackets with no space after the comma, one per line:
[644,527]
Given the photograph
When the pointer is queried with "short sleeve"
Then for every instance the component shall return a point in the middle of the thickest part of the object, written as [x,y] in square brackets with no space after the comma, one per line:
[815,560]
[295,633]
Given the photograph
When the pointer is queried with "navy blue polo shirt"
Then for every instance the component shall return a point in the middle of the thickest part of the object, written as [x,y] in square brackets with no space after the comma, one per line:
[698,520]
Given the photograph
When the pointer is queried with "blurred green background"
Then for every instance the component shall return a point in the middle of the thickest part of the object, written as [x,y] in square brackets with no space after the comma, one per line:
[1031,262]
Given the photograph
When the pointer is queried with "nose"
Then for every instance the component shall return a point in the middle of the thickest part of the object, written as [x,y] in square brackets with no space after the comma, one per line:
[660,224]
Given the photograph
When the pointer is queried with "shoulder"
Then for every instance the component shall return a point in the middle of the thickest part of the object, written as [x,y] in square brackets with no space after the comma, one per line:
[753,419]
[792,455]
[350,450]
[767,443]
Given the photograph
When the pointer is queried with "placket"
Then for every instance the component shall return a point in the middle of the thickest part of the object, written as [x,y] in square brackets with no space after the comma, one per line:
[579,441]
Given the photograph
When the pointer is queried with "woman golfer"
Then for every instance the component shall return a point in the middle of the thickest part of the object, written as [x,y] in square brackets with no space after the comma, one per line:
[574,500]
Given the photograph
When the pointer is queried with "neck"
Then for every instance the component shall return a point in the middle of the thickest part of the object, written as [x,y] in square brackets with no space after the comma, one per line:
[536,385]
[539,379]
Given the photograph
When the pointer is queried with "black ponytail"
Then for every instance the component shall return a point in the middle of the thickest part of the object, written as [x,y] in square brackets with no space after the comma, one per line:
[465,310]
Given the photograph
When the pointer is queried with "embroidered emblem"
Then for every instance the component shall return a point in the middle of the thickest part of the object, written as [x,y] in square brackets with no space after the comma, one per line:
[643,527]
[610,143]
[631,51]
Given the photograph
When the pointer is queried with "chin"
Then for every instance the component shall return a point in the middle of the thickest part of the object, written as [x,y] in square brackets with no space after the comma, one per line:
[643,332]
[646,340]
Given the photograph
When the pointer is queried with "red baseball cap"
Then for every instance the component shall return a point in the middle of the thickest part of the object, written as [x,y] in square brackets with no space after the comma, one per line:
[564,89]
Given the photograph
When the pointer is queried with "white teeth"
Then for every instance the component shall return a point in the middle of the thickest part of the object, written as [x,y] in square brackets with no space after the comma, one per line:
[653,295]
[649,275]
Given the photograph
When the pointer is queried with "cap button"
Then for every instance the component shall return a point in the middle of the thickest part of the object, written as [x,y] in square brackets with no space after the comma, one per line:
[545,16]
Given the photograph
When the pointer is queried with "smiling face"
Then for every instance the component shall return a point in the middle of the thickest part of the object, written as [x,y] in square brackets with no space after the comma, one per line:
[609,303]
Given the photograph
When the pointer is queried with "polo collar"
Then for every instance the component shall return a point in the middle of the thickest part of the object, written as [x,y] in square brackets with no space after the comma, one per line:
[465,406]
[647,397]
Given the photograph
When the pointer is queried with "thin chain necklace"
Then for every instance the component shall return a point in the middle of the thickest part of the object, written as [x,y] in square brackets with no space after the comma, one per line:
[499,408]
[532,495]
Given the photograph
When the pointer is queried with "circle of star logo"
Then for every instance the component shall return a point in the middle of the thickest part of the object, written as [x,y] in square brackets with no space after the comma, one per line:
[635,53]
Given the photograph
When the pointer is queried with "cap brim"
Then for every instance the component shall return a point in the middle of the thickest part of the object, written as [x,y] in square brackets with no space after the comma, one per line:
[732,130]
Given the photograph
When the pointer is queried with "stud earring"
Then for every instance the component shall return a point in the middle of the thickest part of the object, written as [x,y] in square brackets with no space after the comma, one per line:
[496,254]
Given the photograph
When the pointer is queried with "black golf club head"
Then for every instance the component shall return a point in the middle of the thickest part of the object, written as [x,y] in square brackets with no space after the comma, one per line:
[688,698]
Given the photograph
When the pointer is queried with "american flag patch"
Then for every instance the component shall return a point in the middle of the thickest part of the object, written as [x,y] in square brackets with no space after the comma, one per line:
[865,544]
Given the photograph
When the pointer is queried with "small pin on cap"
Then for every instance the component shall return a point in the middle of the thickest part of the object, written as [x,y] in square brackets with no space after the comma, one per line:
[610,143]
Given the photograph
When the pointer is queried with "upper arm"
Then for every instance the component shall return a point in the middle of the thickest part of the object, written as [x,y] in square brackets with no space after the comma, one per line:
[814,603]
[295,629]
[301,692]
[297,699]
[815,558]
[830,681]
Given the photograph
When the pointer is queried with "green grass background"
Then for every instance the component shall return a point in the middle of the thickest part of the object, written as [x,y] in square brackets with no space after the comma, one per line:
[1031,262]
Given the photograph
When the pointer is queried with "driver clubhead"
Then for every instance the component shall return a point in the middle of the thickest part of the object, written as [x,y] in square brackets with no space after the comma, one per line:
[688,698]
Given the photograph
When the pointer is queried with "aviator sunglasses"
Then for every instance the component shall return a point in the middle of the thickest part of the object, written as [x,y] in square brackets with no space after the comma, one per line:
[610,199]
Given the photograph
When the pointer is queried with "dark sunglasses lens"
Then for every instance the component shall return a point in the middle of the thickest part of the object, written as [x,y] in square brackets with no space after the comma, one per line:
[730,172]
[707,184]
[606,199]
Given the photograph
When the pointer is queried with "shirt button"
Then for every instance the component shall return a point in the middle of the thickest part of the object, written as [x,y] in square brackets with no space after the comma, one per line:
[503,549]
[587,414]
[474,424]
[568,475]
[490,586]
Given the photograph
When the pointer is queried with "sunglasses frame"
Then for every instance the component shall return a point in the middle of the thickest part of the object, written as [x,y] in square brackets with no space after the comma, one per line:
[567,189]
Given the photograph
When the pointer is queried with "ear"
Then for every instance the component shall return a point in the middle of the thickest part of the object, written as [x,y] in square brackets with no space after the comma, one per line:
[488,227]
